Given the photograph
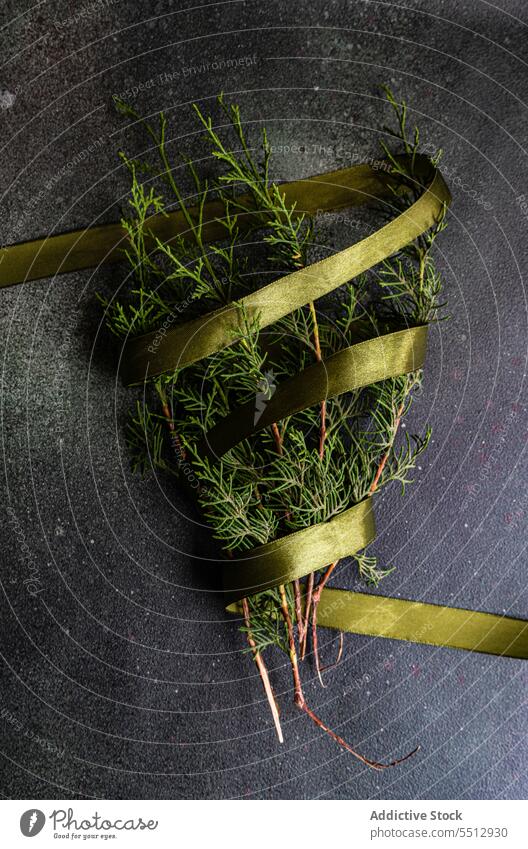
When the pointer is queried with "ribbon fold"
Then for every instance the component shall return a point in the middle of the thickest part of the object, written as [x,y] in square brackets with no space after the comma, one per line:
[301,552]
[352,368]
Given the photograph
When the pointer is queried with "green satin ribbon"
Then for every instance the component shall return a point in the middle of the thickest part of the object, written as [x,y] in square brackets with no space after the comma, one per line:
[299,553]
[302,552]
[91,246]
[418,622]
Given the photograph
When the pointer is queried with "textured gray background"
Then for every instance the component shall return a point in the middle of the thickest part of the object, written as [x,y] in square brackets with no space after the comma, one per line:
[125,662]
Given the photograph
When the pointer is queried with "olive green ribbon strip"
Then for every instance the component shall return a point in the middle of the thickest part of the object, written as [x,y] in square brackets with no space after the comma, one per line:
[299,553]
[418,622]
[92,246]
[152,354]
[359,365]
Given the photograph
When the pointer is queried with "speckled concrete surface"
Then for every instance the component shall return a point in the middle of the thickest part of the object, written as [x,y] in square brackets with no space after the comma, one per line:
[122,677]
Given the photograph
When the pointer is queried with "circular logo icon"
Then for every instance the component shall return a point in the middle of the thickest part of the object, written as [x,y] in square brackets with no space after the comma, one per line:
[32,822]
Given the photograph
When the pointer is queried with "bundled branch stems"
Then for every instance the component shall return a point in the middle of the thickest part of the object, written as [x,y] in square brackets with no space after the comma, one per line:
[313,465]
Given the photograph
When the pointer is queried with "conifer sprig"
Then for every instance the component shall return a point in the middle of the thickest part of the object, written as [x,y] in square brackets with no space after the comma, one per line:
[318,462]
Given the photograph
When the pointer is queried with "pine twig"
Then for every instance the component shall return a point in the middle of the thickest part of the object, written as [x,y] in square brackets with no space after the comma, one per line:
[386,456]
[339,655]
[298,609]
[298,695]
[322,437]
[290,482]
[324,580]
[316,598]
[309,596]
[277,437]
[174,438]
[261,666]
[319,357]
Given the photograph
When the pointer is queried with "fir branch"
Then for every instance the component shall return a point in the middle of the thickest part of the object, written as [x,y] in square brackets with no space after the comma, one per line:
[318,462]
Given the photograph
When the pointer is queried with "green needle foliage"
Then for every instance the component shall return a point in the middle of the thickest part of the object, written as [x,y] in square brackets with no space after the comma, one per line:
[316,463]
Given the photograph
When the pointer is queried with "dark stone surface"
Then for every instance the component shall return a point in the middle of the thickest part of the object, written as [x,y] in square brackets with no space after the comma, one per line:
[124,663]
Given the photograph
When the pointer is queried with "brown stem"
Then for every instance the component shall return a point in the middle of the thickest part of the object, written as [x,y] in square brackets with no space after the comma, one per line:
[174,438]
[298,696]
[316,597]
[301,703]
[322,438]
[322,435]
[319,357]
[263,672]
[277,437]
[379,471]
[318,666]
[309,595]
[326,576]
[373,764]
[339,655]
[298,609]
